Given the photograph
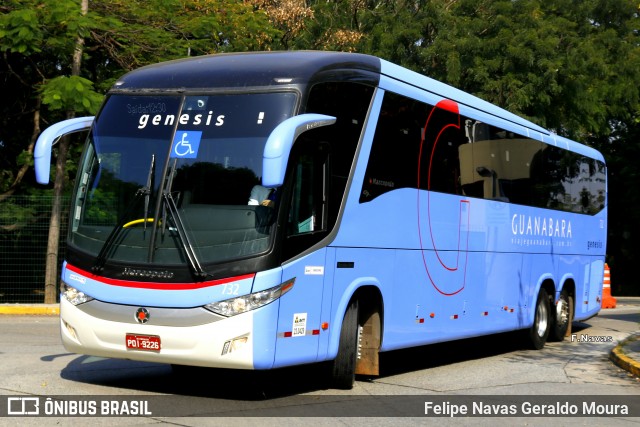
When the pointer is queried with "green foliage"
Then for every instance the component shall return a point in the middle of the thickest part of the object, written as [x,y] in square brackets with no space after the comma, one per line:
[71,93]
[20,32]
[101,210]
[31,26]
[13,215]
[140,32]
[25,158]
[569,66]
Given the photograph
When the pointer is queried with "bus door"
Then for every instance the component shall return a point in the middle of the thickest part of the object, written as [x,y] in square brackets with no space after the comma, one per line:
[305,205]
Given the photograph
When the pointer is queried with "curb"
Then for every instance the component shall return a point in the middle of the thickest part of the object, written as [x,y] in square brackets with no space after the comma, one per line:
[30,309]
[619,358]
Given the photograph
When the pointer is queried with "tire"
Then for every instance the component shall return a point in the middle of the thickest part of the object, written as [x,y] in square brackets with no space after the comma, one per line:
[541,321]
[562,316]
[344,366]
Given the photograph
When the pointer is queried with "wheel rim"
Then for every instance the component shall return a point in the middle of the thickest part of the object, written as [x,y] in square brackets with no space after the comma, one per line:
[562,312]
[542,319]
[359,343]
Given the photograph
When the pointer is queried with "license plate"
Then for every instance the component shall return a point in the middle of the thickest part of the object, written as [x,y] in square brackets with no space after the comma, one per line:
[143,342]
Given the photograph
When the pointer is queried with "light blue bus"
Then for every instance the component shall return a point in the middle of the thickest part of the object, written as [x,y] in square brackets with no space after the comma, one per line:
[263,210]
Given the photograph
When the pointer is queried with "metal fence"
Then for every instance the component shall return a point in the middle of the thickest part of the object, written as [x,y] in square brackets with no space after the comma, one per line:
[24,232]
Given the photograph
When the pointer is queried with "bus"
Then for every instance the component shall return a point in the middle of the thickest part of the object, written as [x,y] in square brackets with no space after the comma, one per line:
[264,210]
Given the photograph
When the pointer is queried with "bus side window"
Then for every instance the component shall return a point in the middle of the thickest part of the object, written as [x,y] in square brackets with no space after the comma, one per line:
[308,206]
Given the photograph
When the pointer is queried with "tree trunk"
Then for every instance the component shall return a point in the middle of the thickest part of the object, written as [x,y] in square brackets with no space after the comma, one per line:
[53,244]
[51,273]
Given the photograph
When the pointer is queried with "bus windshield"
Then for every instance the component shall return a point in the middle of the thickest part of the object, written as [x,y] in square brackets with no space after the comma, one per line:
[165,178]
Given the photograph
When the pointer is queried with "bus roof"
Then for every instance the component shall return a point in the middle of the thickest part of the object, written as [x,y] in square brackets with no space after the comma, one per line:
[264,69]
[236,70]
[393,71]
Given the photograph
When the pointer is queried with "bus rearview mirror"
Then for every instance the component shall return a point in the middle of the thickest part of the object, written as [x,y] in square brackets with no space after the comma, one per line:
[46,140]
[280,142]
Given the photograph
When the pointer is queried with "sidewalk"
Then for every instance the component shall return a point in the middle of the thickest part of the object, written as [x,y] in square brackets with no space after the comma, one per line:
[626,354]
[30,309]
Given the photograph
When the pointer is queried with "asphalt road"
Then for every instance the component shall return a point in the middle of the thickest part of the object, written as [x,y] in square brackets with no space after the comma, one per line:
[498,368]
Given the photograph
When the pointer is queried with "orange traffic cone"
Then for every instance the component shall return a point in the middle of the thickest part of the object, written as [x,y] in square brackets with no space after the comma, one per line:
[608,301]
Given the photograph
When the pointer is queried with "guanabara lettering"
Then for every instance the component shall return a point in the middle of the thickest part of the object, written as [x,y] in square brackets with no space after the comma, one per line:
[527,225]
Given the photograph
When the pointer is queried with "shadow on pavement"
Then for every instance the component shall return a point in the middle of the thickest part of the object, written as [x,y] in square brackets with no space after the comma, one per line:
[260,385]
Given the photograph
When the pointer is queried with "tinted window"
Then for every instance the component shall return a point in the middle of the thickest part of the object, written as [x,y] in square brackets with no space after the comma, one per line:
[417,145]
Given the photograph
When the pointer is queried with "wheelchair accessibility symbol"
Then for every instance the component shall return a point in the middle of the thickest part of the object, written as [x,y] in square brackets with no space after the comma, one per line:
[185,144]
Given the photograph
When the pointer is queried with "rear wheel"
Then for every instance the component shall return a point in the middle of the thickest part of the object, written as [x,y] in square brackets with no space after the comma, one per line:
[344,366]
[540,330]
[562,317]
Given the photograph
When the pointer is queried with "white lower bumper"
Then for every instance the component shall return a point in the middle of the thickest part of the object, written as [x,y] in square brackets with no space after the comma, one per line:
[200,345]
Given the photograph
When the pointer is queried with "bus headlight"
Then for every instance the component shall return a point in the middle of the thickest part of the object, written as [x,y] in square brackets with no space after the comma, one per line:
[242,304]
[73,295]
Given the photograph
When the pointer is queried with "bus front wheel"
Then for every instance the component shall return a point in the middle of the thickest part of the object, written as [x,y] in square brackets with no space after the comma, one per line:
[344,366]
[541,325]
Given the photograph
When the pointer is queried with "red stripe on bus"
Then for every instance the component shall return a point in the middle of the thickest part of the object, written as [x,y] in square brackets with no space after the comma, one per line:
[158,285]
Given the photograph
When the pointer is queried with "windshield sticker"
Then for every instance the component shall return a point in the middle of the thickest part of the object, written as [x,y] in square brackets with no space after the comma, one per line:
[186,144]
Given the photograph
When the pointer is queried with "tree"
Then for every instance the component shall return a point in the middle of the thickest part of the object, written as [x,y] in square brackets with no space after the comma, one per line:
[58,58]
[51,274]
[29,33]
[290,17]
[569,66]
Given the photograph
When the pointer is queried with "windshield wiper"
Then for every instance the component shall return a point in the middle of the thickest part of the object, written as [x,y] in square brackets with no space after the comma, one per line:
[147,190]
[187,247]
[115,232]
[171,207]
